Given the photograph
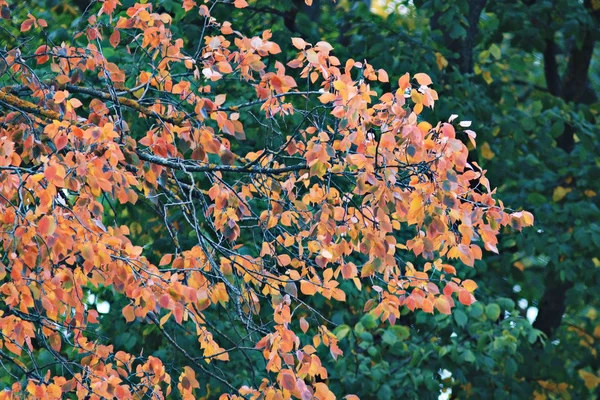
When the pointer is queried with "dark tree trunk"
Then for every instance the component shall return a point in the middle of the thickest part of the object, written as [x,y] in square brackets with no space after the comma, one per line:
[462,46]
[573,87]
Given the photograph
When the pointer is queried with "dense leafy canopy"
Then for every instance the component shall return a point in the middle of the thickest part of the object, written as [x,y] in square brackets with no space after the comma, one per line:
[242,198]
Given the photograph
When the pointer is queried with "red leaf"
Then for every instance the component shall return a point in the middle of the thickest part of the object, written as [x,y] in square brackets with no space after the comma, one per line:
[47,226]
[26,25]
[288,381]
[465,297]
[115,38]
[42,57]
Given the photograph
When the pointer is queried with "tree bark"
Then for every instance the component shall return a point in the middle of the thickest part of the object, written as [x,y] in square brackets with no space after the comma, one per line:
[462,46]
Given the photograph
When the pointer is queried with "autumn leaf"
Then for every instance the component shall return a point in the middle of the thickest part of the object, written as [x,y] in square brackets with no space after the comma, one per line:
[383,76]
[486,151]
[590,380]
[42,55]
[299,43]
[165,260]
[128,313]
[423,79]
[442,305]
[469,285]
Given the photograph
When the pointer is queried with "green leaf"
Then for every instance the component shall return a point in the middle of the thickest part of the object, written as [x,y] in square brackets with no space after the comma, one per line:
[385,392]
[495,51]
[468,356]
[369,321]
[341,331]
[460,317]
[492,311]
[557,129]
[506,303]
[476,310]
[394,334]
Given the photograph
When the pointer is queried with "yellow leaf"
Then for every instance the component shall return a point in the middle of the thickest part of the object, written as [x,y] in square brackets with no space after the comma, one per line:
[469,285]
[486,151]
[418,108]
[312,56]
[416,97]
[591,380]
[527,218]
[487,77]
[560,193]
[424,126]
[440,60]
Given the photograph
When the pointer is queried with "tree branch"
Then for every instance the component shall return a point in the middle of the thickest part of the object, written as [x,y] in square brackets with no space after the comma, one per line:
[193,166]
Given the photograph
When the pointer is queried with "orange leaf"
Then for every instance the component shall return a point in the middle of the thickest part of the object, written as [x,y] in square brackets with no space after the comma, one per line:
[308,288]
[165,260]
[128,313]
[299,43]
[60,96]
[423,79]
[75,103]
[327,97]
[284,260]
[303,324]
[87,251]
[404,81]
[442,305]
[240,3]
[383,76]
[55,341]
